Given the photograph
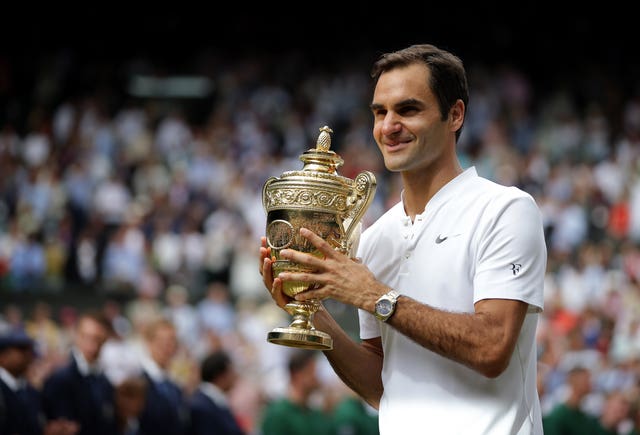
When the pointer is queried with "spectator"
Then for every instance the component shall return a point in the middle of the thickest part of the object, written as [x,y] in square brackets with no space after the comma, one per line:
[216,311]
[569,418]
[20,403]
[28,263]
[165,411]
[209,405]
[295,413]
[354,416]
[183,315]
[79,390]
[615,413]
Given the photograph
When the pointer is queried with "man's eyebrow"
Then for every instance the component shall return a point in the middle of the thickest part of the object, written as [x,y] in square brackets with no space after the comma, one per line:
[399,104]
[409,102]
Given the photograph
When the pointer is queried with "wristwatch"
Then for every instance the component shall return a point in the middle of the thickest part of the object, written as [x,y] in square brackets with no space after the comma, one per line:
[386,305]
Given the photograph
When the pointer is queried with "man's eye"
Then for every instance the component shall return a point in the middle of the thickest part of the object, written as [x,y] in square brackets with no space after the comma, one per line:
[408,110]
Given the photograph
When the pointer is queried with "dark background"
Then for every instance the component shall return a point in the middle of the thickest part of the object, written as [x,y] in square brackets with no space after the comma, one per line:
[541,38]
[89,49]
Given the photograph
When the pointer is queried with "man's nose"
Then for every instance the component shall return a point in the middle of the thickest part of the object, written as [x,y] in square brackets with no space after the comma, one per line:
[391,124]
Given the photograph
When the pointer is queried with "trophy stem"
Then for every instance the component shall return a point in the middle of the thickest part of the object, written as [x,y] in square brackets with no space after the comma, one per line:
[301,332]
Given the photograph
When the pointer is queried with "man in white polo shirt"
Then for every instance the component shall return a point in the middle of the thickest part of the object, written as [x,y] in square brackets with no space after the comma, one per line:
[449,282]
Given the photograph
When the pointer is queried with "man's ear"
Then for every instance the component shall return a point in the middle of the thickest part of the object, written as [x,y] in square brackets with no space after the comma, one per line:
[456,115]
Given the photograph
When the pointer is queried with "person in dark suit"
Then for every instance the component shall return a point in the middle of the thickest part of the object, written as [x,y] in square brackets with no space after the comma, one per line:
[20,403]
[165,411]
[20,407]
[208,405]
[80,391]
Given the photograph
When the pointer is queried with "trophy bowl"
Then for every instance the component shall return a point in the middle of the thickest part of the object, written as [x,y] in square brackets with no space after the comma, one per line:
[328,204]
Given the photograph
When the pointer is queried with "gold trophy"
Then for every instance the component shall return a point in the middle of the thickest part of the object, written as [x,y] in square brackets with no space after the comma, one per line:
[328,204]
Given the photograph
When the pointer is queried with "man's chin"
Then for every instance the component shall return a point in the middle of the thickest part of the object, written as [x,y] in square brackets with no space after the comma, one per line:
[394,165]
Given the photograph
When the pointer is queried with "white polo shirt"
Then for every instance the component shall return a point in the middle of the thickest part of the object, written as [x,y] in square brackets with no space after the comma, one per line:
[475,240]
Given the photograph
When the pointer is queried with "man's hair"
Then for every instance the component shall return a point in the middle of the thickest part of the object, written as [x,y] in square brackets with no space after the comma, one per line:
[448,80]
[578,370]
[214,365]
[300,359]
[154,325]
[96,315]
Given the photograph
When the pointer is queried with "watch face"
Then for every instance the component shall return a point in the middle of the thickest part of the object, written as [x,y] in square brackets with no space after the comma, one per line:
[383,307]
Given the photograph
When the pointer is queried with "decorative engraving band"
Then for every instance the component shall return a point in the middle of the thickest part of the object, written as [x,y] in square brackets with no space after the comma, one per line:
[305,198]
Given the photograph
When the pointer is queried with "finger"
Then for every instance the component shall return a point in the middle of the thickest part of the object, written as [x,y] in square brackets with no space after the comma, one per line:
[317,241]
[267,272]
[304,277]
[327,249]
[315,291]
[309,260]
[265,252]
[277,294]
[309,294]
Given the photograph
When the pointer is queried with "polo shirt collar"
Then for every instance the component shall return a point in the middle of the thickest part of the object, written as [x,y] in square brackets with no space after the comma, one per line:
[444,193]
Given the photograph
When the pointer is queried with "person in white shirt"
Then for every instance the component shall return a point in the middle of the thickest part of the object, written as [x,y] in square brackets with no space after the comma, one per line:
[448,282]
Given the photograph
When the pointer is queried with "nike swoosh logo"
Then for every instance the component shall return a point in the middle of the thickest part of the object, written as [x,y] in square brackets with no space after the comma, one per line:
[440,239]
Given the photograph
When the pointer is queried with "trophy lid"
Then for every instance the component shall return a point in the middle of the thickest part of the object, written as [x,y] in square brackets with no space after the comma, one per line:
[320,158]
[317,187]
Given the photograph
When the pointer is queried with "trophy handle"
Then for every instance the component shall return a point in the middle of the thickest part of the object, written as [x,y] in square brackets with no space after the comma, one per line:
[265,197]
[364,190]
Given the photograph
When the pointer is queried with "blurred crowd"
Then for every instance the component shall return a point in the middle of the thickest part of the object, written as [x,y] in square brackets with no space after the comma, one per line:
[153,205]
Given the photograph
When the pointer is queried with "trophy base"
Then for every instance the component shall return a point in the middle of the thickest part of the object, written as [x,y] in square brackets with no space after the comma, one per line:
[302,338]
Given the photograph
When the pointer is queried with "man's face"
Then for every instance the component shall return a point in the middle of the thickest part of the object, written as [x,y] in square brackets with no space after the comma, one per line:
[17,359]
[309,377]
[90,336]
[163,345]
[130,397]
[408,125]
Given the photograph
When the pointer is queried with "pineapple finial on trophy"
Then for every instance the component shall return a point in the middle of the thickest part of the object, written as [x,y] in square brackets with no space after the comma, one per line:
[324,139]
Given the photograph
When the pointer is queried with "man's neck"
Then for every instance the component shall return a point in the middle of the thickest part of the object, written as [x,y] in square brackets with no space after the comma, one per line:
[298,396]
[420,186]
[84,366]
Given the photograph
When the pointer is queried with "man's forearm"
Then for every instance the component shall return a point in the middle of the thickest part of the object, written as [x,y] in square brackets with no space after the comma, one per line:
[358,365]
